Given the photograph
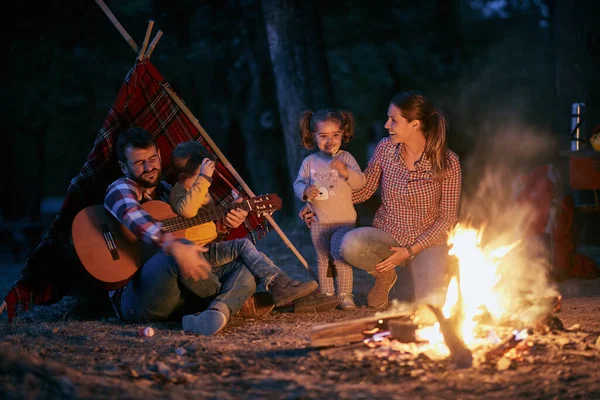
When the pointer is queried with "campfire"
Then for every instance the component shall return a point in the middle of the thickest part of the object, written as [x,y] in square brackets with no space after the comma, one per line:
[499,297]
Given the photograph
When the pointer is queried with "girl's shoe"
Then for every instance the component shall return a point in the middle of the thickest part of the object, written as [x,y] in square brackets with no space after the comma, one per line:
[347,301]
[316,302]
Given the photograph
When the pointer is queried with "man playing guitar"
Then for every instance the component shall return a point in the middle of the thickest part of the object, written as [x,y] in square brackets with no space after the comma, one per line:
[177,277]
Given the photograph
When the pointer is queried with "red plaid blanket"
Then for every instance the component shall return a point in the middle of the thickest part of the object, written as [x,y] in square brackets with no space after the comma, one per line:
[52,269]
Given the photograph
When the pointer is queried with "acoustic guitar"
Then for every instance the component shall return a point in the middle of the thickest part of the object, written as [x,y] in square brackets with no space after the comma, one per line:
[112,254]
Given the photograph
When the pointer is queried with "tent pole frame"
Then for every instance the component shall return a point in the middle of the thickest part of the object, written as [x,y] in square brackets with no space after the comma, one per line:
[119,27]
[142,54]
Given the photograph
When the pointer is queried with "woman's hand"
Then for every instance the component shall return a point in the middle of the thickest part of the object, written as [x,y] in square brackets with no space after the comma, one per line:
[340,166]
[306,215]
[399,255]
[311,192]
[207,167]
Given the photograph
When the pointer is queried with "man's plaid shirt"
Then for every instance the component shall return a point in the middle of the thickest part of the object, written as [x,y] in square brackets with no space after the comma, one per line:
[123,200]
[415,208]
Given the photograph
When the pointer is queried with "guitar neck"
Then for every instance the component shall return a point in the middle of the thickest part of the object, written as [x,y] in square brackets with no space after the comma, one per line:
[205,214]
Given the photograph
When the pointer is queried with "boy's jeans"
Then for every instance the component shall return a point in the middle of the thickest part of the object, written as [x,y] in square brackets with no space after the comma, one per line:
[365,247]
[158,291]
[261,266]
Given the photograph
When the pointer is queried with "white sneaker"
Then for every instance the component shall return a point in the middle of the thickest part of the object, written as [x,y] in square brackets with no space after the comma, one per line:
[206,323]
[347,301]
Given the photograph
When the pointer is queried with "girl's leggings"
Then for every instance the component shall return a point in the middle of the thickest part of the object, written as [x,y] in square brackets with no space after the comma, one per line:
[326,238]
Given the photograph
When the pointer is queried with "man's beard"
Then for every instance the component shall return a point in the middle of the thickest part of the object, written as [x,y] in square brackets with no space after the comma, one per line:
[146,183]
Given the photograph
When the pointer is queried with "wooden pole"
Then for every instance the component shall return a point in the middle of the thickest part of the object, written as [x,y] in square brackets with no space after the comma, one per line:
[117,25]
[237,177]
[146,40]
[212,144]
[153,44]
[2,307]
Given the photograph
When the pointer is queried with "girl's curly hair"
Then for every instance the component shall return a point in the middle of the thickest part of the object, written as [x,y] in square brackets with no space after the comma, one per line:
[309,121]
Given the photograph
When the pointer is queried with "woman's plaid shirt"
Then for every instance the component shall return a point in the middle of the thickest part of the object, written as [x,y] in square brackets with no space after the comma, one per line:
[414,207]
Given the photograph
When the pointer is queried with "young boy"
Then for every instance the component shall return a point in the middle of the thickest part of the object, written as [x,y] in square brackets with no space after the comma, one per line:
[194,167]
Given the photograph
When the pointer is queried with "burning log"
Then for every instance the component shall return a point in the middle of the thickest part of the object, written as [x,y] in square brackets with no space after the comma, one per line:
[355,331]
[499,350]
[402,331]
[459,352]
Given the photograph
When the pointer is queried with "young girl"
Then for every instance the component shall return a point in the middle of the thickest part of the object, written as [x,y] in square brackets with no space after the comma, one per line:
[326,180]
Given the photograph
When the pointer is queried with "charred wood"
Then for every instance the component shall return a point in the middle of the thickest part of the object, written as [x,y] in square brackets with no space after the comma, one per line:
[459,352]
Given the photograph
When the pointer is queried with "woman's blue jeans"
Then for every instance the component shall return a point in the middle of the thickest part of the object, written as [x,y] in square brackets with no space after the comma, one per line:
[365,247]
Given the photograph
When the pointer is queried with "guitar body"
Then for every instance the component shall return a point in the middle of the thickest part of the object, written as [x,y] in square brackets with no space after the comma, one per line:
[112,254]
[111,260]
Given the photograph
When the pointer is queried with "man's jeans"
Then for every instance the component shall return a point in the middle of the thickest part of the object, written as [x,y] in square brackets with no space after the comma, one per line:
[244,250]
[158,291]
[366,246]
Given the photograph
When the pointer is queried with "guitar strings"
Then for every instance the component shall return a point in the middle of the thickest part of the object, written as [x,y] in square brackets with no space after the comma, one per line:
[179,223]
[206,214]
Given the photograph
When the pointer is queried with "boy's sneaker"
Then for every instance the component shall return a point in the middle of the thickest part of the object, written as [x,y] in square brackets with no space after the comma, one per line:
[206,323]
[257,305]
[316,302]
[347,301]
[285,290]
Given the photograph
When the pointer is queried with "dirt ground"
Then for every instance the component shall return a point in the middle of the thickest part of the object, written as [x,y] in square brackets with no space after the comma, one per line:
[66,350]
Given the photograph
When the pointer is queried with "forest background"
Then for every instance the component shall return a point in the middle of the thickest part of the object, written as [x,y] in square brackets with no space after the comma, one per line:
[504,72]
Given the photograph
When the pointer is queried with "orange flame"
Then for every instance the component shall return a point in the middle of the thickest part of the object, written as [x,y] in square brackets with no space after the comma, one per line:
[480,290]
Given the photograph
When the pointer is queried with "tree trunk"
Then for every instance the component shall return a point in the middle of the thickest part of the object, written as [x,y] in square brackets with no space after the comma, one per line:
[300,69]
[577,60]
[260,150]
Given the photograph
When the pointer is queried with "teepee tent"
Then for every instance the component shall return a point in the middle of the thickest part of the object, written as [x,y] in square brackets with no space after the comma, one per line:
[145,100]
